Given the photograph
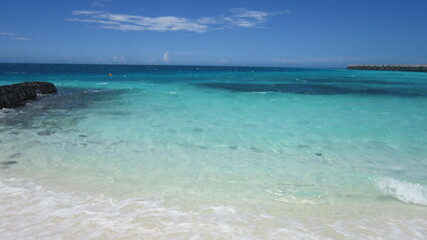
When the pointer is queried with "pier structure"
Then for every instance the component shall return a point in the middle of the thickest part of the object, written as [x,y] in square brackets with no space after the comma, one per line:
[408,68]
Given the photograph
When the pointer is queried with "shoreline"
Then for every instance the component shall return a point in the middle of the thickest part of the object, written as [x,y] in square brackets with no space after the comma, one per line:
[158,219]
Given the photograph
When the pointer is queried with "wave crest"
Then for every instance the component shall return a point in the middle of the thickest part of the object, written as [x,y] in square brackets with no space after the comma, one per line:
[406,192]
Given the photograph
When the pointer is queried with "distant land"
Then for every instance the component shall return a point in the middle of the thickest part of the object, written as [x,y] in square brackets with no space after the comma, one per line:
[408,68]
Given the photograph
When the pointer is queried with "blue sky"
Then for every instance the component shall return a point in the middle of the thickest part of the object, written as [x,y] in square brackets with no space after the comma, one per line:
[314,33]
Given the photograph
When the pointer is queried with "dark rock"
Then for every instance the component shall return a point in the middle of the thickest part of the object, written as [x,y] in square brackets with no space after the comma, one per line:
[16,95]
[9,162]
[45,133]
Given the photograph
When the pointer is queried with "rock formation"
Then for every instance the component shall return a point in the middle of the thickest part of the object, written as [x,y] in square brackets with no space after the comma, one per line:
[16,95]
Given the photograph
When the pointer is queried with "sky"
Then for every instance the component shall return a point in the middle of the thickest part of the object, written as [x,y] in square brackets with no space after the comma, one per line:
[294,33]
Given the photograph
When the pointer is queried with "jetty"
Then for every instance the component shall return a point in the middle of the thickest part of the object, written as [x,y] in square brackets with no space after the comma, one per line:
[408,68]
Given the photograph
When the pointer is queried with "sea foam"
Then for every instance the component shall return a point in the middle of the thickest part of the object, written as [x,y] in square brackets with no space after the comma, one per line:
[31,211]
[407,192]
[6,111]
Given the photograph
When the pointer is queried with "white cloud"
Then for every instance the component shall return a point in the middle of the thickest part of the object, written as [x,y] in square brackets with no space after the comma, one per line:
[246,18]
[119,59]
[13,36]
[237,17]
[20,38]
[124,22]
[84,12]
[208,20]
[166,57]
[7,34]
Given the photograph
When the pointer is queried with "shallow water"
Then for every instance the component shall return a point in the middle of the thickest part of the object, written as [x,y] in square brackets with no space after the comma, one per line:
[170,152]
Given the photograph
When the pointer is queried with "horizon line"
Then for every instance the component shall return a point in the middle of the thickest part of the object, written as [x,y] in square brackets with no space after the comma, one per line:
[184,65]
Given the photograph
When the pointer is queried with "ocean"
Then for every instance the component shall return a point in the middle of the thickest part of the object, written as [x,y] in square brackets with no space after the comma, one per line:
[204,152]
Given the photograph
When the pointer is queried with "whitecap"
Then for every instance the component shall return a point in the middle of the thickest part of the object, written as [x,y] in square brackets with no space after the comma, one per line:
[406,192]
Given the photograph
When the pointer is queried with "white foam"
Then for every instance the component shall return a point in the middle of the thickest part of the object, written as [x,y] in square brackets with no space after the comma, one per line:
[27,209]
[407,192]
[6,111]
[93,91]
[42,95]
[30,211]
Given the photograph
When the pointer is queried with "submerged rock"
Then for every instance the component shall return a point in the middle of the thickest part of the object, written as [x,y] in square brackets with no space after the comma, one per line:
[45,133]
[9,162]
[16,95]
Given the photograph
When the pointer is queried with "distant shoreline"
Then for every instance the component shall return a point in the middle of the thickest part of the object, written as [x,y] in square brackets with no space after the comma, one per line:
[406,68]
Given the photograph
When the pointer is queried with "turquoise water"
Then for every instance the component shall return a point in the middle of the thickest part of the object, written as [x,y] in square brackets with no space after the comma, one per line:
[174,152]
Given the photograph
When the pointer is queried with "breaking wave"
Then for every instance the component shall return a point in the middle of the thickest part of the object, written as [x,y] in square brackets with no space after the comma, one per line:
[406,192]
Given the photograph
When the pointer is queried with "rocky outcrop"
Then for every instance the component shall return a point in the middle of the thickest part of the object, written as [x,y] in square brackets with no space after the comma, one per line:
[408,68]
[16,95]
